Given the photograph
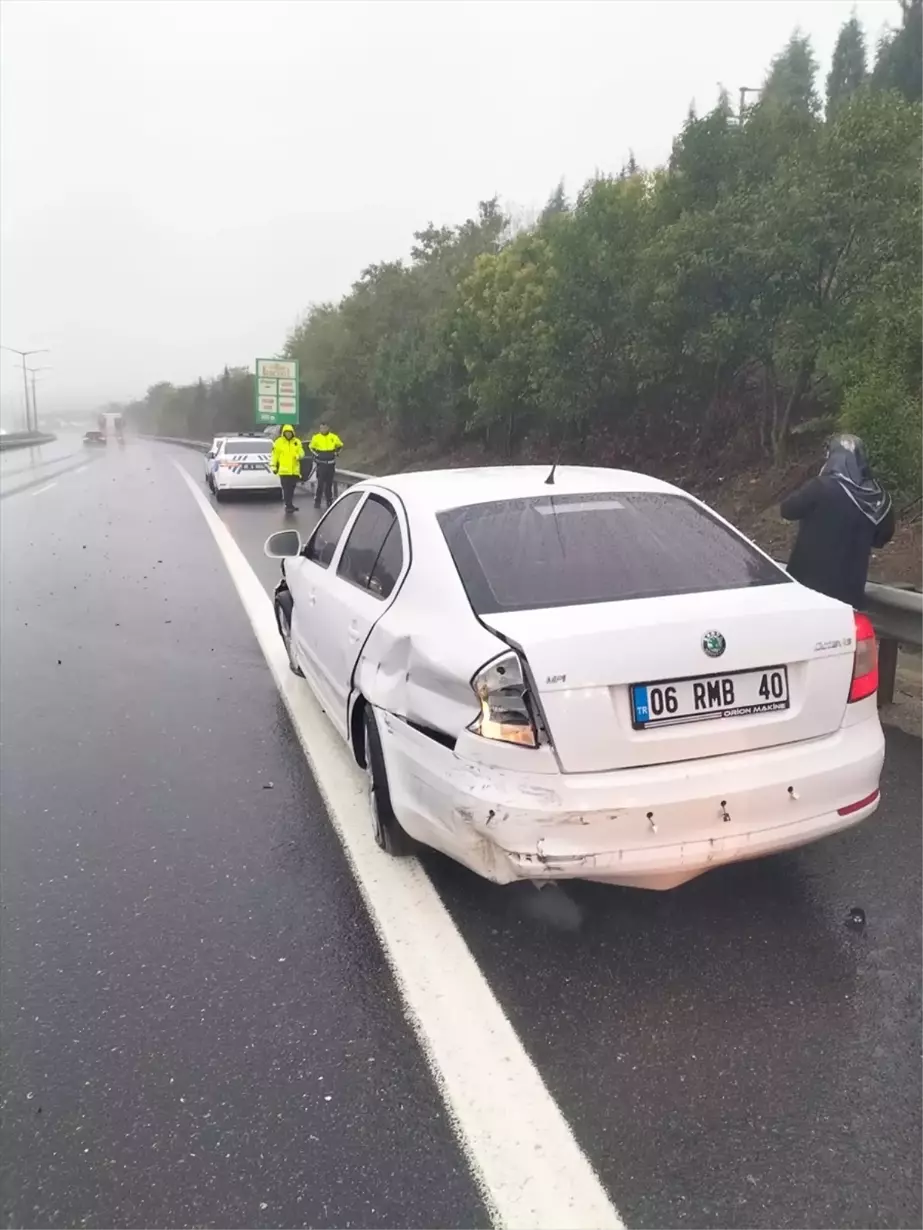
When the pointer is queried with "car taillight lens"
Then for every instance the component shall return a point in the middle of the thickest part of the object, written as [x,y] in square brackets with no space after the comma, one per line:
[865,662]
[506,707]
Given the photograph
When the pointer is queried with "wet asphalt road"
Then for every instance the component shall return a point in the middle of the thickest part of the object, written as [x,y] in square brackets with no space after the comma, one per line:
[24,468]
[198,1024]
[199,1027]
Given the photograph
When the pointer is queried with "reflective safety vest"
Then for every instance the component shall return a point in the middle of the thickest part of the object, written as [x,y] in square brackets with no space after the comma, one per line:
[325,447]
[286,456]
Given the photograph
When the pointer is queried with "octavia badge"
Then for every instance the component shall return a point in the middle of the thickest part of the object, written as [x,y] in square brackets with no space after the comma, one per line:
[714,644]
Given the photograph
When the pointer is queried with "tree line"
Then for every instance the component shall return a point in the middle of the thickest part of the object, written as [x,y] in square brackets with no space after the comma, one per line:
[769,273]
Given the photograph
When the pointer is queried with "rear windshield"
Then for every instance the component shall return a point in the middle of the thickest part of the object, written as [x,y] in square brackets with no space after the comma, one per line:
[567,550]
[248,446]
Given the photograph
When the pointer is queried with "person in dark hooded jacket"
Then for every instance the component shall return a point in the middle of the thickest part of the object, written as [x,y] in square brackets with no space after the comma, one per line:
[843,515]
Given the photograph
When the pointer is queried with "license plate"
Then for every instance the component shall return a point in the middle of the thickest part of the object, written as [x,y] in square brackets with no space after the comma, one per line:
[670,702]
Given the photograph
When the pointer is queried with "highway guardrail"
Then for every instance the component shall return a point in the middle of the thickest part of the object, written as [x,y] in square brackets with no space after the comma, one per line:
[896,611]
[25,439]
[897,616]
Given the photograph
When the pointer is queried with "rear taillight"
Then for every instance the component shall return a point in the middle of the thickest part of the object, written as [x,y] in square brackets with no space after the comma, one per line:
[865,662]
[506,706]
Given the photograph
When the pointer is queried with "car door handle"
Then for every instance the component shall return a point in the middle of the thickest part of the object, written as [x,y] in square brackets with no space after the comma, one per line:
[354,633]
[312,598]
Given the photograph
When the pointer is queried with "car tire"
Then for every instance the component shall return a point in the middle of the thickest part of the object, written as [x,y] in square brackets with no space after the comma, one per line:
[385,825]
[220,495]
[284,606]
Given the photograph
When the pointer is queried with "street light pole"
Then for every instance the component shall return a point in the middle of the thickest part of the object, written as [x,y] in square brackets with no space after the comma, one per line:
[32,371]
[24,354]
[25,389]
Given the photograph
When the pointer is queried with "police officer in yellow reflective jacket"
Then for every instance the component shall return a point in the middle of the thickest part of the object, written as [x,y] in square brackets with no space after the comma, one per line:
[287,452]
[325,445]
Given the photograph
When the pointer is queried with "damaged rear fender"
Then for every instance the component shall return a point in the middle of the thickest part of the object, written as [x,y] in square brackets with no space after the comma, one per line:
[423,678]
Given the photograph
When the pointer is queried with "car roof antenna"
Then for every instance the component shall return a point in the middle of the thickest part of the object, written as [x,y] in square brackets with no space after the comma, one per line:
[549,481]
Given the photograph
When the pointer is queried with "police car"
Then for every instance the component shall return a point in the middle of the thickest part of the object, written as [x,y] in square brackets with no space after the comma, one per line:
[241,463]
[210,459]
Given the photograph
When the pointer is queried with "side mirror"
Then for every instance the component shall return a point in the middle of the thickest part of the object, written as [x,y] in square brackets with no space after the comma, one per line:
[283,545]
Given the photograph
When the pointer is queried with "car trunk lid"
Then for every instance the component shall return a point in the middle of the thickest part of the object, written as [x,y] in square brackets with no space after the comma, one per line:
[586,660]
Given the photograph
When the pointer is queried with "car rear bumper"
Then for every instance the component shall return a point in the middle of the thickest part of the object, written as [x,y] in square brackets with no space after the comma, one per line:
[654,827]
[246,482]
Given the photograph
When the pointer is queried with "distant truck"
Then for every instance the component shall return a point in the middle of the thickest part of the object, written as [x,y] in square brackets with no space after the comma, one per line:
[111,425]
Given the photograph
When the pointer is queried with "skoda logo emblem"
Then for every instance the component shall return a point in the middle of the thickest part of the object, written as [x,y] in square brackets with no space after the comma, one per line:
[714,644]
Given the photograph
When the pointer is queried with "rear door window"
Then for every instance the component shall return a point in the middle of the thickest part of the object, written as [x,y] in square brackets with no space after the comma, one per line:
[248,446]
[323,544]
[568,550]
[389,563]
[372,537]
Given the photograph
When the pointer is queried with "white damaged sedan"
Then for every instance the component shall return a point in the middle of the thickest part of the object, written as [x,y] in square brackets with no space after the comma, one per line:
[578,674]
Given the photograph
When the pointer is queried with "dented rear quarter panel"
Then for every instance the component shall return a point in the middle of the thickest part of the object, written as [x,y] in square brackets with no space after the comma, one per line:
[421,655]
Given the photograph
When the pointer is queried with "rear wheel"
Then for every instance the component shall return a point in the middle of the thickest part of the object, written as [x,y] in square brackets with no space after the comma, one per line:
[284,620]
[220,495]
[385,826]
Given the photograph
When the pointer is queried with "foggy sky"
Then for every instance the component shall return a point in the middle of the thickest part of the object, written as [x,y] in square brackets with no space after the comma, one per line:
[180,179]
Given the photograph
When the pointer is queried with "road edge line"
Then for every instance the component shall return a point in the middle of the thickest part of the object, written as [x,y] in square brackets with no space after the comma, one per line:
[526,1162]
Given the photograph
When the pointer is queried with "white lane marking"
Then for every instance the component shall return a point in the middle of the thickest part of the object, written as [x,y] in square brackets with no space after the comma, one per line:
[23,488]
[532,1173]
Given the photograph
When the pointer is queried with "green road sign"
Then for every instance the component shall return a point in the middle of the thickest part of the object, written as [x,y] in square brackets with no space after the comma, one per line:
[276,391]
